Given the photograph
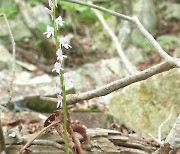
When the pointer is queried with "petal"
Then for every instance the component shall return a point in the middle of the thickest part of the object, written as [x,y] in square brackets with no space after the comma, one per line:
[50,4]
[59,103]
[48,35]
[48,11]
[45,33]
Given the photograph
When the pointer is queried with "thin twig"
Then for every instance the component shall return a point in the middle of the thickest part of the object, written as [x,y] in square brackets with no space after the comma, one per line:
[13,53]
[125,17]
[159,139]
[151,39]
[124,59]
[134,20]
[36,136]
[115,85]
[163,123]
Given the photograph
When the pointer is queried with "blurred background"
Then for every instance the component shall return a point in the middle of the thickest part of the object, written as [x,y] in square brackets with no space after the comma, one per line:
[93,61]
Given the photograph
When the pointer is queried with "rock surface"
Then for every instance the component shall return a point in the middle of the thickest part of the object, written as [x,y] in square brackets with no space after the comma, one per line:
[145,105]
[27,89]
[5,60]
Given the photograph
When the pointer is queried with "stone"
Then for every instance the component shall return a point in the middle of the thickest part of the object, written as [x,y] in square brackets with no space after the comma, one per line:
[134,54]
[27,89]
[94,75]
[19,29]
[143,106]
[6,59]
[145,11]
[172,11]
[35,17]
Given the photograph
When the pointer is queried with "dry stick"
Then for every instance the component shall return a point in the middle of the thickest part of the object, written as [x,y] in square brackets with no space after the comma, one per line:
[2,142]
[13,53]
[134,20]
[151,39]
[159,139]
[124,59]
[48,143]
[125,17]
[36,136]
[163,123]
[115,85]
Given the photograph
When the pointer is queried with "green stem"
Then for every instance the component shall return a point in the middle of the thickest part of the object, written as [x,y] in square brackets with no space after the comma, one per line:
[61,78]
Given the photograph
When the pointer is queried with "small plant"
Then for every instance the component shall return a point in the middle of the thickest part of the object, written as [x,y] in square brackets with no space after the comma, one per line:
[64,78]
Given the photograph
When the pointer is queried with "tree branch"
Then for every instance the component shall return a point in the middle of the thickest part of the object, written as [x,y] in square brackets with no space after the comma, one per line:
[134,20]
[151,39]
[115,85]
[168,64]
[13,54]
[36,136]
[124,59]
[125,17]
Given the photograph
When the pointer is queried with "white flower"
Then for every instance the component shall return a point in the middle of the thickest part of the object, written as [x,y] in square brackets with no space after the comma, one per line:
[59,101]
[49,31]
[63,42]
[60,55]
[59,21]
[57,67]
[67,78]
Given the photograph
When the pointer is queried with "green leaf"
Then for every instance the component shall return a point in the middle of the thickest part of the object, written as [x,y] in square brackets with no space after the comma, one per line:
[169,40]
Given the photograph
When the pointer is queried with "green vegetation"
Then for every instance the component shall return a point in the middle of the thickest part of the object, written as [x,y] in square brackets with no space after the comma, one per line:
[168,40]
[9,8]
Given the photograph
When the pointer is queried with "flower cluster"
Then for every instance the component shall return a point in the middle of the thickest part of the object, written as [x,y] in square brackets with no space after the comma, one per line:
[60,57]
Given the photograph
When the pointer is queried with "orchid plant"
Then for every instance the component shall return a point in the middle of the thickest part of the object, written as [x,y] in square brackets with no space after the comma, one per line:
[64,78]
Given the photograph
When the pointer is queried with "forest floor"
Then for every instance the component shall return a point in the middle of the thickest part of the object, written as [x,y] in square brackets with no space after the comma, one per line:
[29,122]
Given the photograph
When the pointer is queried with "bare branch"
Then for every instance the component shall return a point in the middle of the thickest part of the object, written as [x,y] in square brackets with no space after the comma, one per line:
[13,53]
[134,20]
[159,139]
[101,9]
[124,59]
[115,85]
[163,123]
[37,135]
[151,39]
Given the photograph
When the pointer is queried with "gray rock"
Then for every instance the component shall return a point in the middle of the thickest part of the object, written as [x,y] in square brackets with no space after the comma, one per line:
[18,28]
[5,58]
[134,54]
[34,17]
[27,90]
[172,11]
[91,76]
[145,105]
[145,11]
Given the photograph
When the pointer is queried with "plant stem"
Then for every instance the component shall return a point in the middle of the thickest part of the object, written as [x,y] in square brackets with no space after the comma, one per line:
[61,78]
